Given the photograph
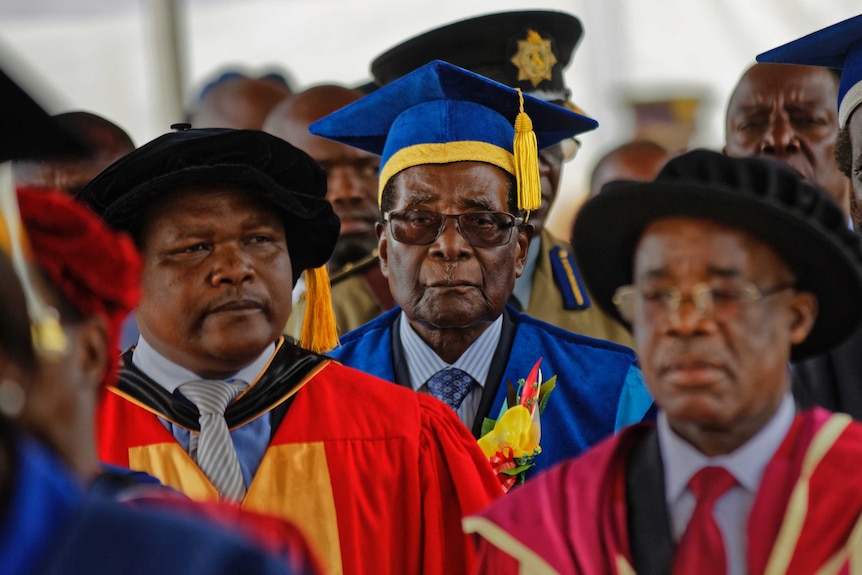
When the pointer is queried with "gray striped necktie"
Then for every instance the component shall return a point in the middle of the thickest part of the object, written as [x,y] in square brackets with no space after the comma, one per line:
[213,449]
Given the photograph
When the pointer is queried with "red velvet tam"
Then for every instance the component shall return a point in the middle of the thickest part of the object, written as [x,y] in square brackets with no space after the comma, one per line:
[95,268]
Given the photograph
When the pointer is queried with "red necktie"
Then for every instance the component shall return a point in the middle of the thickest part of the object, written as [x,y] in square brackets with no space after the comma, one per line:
[701,548]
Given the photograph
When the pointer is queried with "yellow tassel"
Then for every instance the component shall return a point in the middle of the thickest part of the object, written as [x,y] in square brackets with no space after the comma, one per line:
[526,161]
[318,325]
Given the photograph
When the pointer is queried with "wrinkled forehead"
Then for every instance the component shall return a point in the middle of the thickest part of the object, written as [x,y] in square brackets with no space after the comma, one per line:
[701,249]
[796,84]
[456,184]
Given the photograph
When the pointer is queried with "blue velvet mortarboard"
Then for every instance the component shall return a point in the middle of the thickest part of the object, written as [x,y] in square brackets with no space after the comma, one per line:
[441,113]
[838,46]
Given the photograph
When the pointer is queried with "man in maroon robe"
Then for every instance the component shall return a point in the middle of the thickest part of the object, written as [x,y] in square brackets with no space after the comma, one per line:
[725,269]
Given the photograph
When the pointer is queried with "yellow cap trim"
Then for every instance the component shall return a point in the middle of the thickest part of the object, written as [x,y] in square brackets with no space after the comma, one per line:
[444,153]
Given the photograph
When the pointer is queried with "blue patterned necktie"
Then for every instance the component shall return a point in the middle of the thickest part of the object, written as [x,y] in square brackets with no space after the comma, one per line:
[451,386]
[213,449]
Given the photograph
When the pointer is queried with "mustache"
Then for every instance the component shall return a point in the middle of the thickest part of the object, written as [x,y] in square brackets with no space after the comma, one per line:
[240,299]
[690,351]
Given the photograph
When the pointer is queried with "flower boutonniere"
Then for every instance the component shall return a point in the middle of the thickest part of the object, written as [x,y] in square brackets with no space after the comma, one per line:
[511,442]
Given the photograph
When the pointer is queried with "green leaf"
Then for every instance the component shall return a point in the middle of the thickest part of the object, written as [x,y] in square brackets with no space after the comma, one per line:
[545,393]
[487,426]
[516,470]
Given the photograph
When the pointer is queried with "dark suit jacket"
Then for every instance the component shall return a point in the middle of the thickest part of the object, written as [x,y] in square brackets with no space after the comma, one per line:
[651,541]
[832,380]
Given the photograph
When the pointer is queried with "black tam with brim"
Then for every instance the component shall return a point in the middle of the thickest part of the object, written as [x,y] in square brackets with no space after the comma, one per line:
[275,171]
[804,226]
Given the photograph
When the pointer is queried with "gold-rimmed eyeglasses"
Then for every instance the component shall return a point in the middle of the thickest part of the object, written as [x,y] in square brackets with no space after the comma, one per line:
[561,152]
[717,301]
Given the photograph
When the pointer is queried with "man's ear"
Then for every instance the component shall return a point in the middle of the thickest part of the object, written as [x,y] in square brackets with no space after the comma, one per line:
[93,350]
[525,236]
[803,309]
[382,248]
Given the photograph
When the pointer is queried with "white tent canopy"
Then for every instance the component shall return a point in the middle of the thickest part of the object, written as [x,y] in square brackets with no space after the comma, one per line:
[115,57]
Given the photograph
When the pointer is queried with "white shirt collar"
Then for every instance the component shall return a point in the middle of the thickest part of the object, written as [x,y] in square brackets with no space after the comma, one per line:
[747,464]
[171,375]
[423,362]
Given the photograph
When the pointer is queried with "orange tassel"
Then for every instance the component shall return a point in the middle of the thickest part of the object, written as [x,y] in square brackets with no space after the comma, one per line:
[318,325]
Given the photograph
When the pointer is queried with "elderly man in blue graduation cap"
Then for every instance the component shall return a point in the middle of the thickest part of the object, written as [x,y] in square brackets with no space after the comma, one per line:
[458,180]
[530,50]
[832,379]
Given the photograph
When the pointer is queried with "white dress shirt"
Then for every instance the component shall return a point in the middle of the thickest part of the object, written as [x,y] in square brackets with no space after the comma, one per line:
[747,464]
[423,362]
[250,440]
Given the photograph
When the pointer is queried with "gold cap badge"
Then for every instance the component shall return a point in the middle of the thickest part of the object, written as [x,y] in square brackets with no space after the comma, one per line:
[535,60]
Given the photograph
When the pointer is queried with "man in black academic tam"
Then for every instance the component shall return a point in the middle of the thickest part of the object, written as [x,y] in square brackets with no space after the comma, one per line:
[724,269]
[216,403]
[529,50]
[48,523]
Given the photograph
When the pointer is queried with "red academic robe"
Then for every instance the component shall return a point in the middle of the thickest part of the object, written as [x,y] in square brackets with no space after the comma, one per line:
[376,476]
[806,514]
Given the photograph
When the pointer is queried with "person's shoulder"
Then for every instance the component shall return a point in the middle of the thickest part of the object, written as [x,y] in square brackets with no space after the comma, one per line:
[568,338]
[550,241]
[366,389]
[365,406]
[574,483]
[838,431]
[354,270]
[109,537]
[563,274]
[379,324]
[124,484]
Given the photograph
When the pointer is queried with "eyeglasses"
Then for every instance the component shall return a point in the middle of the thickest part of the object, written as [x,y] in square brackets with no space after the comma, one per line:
[480,229]
[719,302]
[561,152]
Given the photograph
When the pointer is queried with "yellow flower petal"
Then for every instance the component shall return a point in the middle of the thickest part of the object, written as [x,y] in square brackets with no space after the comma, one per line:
[515,429]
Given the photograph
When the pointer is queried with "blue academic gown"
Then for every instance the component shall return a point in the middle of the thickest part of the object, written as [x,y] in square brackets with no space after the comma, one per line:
[599,387]
[52,527]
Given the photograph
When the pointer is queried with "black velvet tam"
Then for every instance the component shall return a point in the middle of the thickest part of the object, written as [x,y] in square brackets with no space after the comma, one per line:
[260,163]
[804,226]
